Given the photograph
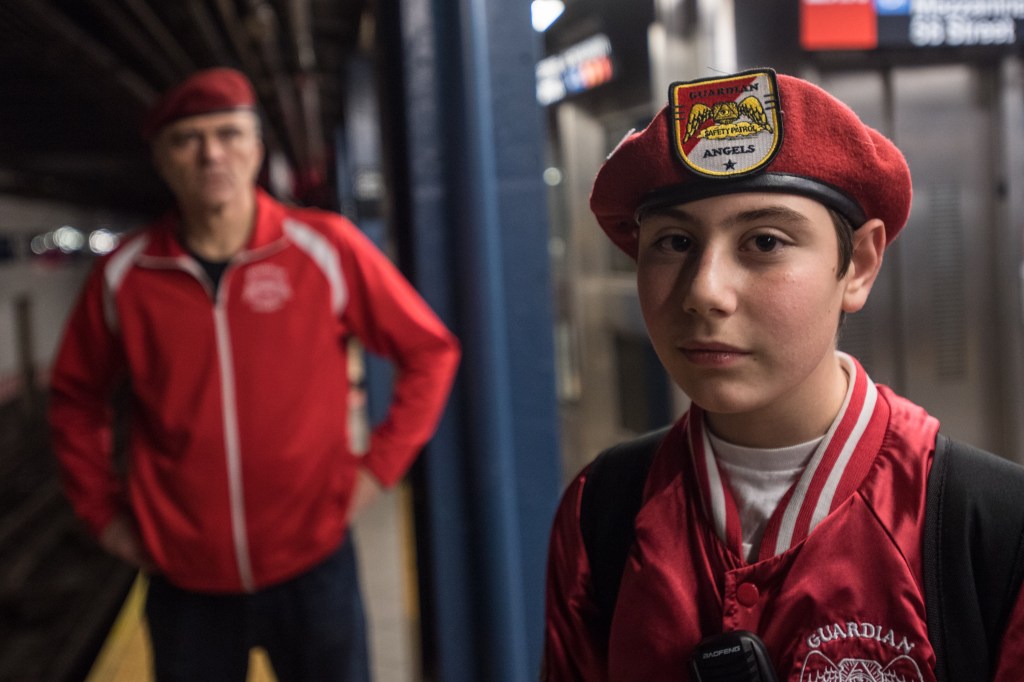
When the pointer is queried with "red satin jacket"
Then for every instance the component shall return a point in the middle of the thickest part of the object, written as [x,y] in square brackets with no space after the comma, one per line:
[836,592]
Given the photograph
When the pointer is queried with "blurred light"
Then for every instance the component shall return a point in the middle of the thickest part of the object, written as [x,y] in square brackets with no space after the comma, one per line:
[102,241]
[545,12]
[68,239]
[38,245]
[552,176]
[580,67]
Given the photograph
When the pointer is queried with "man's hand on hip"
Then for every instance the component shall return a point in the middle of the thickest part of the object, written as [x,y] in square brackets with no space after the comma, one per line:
[121,539]
[366,491]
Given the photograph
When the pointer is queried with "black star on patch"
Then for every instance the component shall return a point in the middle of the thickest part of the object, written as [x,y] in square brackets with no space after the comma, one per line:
[730,164]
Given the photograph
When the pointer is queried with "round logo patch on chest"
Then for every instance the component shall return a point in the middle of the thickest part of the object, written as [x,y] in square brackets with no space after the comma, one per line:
[266,288]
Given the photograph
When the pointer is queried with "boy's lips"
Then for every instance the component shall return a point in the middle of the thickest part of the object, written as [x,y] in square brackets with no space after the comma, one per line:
[711,353]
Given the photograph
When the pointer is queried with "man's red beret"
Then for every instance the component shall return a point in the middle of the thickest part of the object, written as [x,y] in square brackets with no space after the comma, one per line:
[753,131]
[204,92]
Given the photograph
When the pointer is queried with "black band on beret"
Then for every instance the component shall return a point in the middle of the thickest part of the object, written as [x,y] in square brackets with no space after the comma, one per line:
[787,183]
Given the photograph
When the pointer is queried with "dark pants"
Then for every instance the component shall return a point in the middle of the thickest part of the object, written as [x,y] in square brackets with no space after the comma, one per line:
[312,628]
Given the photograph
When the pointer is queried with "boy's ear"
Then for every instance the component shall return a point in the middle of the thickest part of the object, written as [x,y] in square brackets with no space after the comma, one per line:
[868,247]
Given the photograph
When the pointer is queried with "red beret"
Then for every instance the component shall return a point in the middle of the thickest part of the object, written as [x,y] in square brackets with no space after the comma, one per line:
[204,92]
[753,131]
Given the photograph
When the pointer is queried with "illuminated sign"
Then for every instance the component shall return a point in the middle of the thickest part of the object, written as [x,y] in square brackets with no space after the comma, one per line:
[582,67]
[838,25]
[872,24]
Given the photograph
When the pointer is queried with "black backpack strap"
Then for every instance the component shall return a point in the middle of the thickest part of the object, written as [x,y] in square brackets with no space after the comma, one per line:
[973,556]
[612,494]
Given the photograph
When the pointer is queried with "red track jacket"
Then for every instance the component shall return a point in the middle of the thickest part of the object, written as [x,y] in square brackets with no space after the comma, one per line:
[239,470]
[836,593]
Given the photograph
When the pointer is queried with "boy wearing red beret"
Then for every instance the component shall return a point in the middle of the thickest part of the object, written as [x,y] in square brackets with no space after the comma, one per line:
[229,319]
[788,502]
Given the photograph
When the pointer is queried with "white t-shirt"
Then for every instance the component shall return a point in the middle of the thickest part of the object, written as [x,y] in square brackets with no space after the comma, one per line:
[758,478]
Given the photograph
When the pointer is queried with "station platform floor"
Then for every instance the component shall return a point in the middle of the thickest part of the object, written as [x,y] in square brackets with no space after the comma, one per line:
[385,547]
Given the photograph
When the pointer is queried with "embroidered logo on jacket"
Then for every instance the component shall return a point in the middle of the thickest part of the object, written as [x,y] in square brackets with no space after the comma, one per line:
[266,287]
[819,667]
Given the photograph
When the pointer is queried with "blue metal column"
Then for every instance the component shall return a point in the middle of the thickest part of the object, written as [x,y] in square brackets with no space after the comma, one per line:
[477,249]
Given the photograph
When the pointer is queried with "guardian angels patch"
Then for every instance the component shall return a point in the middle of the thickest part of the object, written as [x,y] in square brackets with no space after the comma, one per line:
[852,651]
[729,126]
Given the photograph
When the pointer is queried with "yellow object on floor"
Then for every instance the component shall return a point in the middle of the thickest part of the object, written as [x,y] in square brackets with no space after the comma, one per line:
[386,548]
[126,657]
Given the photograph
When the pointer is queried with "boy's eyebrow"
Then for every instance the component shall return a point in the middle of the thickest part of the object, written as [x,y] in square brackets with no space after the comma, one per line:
[778,213]
[669,212]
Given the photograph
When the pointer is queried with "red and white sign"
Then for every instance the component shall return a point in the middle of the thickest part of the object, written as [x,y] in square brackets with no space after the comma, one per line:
[838,25]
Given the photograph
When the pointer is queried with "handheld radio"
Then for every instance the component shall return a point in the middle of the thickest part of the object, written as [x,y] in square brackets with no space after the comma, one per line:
[732,657]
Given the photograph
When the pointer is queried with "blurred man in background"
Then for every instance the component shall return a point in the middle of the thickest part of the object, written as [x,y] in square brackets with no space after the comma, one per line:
[229,318]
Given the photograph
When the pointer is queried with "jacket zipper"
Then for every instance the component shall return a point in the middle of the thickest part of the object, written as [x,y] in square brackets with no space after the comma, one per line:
[232,441]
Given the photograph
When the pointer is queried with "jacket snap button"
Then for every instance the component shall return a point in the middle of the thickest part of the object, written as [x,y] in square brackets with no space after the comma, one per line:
[747,594]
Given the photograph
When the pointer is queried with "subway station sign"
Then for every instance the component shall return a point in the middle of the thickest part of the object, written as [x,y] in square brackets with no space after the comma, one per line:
[582,67]
[879,24]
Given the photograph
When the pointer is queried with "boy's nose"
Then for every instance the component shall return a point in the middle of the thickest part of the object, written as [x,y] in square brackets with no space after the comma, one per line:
[711,289]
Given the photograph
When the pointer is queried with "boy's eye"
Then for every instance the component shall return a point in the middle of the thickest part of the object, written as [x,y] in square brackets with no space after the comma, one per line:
[766,243]
[676,242]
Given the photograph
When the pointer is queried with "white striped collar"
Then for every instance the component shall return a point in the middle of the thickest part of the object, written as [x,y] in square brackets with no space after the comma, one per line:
[833,473]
